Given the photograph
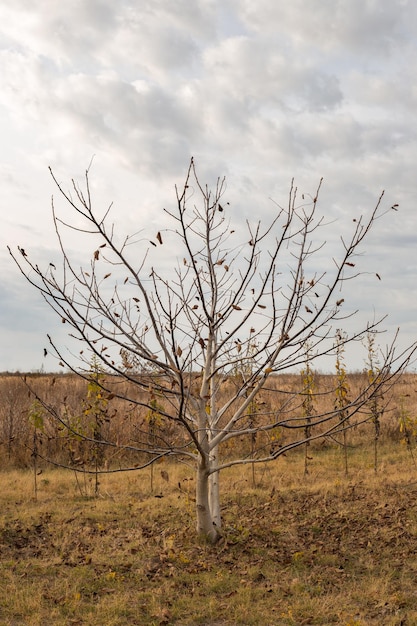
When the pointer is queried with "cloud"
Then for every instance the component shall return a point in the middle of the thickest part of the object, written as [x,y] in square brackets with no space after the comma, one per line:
[356,27]
[260,91]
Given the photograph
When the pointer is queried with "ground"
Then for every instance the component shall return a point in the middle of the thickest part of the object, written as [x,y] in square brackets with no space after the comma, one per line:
[296,550]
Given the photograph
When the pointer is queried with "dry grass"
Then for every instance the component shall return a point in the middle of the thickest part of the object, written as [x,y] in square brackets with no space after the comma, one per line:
[322,550]
[129,424]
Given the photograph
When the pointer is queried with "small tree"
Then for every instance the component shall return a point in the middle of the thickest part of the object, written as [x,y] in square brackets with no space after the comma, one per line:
[342,401]
[155,420]
[308,408]
[408,428]
[184,332]
[36,418]
[375,402]
[95,413]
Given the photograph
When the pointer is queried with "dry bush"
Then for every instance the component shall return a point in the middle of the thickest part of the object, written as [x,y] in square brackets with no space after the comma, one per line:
[129,424]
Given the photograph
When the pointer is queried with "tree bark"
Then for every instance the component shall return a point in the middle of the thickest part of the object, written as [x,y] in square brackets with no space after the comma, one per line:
[214,489]
[205,524]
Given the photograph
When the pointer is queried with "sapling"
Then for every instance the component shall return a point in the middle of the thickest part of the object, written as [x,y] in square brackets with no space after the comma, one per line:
[96,412]
[375,401]
[408,428]
[342,400]
[36,418]
[155,420]
[308,407]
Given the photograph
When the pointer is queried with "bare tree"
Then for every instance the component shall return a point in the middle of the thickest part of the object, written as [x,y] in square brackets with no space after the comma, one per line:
[211,333]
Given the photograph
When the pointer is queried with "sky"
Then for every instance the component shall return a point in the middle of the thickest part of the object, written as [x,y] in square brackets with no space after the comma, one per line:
[260,92]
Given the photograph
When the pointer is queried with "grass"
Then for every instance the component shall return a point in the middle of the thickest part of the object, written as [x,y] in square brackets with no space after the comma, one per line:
[295,551]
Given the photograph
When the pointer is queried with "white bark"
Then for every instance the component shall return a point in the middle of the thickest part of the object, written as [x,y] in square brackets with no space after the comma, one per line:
[214,489]
[205,526]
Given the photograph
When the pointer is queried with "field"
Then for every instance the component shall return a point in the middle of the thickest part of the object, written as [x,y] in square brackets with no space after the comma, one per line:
[296,550]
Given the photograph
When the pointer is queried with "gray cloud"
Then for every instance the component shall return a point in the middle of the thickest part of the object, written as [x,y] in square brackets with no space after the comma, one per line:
[259,91]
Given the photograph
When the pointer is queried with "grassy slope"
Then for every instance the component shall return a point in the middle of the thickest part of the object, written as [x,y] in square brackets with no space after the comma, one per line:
[321,550]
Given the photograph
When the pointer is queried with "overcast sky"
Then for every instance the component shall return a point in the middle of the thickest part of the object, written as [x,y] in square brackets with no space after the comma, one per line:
[260,91]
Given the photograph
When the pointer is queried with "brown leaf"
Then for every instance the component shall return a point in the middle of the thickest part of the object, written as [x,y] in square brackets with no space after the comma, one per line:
[164,617]
[236,307]
[261,306]
[159,237]
[378,276]
[96,255]
[308,310]
[339,302]
[107,275]
[350,264]
[179,351]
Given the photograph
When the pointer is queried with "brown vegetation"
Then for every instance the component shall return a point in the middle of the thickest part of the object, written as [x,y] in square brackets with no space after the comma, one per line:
[295,550]
[25,425]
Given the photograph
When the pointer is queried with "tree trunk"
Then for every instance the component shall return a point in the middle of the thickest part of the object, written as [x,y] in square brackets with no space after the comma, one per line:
[214,489]
[205,525]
